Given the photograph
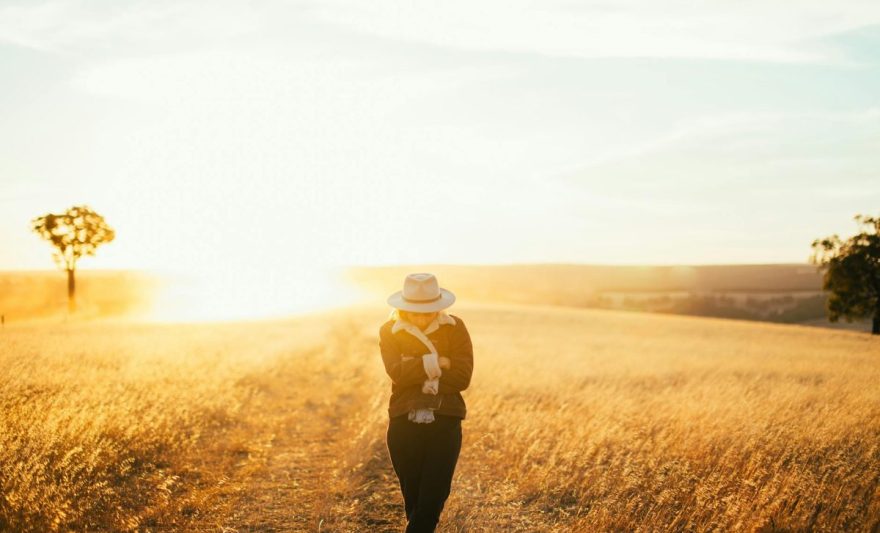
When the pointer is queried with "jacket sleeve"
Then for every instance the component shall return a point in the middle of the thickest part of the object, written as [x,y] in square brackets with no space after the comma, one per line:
[457,377]
[409,372]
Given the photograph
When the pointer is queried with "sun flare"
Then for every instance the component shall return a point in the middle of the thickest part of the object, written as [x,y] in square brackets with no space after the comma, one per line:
[232,295]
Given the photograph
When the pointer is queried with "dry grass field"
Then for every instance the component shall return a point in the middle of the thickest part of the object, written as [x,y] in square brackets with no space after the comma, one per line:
[579,420]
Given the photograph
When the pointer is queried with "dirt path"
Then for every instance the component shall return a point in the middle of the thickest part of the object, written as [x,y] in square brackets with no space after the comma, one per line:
[307,452]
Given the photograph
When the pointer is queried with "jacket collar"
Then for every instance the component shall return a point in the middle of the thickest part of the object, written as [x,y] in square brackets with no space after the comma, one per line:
[399,323]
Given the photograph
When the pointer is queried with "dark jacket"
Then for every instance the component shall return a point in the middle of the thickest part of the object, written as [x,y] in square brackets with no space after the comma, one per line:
[407,377]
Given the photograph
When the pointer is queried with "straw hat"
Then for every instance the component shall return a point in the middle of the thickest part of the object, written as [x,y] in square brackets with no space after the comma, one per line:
[421,294]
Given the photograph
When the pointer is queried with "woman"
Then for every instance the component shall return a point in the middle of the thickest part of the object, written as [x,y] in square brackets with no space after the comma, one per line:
[429,357]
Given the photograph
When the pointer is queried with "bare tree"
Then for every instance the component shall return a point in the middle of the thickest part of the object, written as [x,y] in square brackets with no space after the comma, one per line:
[75,233]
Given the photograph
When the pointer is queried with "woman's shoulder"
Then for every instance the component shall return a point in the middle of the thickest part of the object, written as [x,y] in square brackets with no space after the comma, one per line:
[459,323]
[386,326]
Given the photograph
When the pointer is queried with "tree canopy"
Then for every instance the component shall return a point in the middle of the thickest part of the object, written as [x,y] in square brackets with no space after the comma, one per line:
[75,233]
[852,272]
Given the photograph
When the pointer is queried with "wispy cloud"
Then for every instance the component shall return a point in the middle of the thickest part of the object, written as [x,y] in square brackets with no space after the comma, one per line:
[750,134]
[747,30]
[754,161]
[74,25]
[752,30]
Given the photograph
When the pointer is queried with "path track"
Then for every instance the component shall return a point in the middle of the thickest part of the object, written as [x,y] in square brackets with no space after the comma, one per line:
[308,451]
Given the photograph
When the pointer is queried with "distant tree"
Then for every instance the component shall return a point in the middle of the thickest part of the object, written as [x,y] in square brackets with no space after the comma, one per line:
[75,233]
[852,272]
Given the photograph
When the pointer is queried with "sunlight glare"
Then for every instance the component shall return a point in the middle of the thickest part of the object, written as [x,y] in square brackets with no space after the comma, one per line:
[234,295]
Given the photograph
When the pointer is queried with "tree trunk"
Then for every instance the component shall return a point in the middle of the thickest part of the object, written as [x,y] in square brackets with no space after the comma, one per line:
[71,291]
[876,329]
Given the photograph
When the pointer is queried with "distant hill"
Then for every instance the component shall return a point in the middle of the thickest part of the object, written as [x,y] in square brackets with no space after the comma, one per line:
[574,284]
[790,293]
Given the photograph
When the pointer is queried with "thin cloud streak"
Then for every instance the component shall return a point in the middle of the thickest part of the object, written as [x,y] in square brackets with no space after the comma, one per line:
[72,27]
[712,128]
[745,31]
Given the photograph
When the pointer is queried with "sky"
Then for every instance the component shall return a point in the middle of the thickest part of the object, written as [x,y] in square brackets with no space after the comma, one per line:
[272,137]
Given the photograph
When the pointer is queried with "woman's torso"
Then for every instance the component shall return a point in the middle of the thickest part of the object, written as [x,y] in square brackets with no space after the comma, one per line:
[403,398]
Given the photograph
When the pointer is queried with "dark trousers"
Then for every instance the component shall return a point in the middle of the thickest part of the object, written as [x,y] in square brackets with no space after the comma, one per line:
[424,458]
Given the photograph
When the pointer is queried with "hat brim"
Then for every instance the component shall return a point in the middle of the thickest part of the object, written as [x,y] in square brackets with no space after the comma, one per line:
[446,299]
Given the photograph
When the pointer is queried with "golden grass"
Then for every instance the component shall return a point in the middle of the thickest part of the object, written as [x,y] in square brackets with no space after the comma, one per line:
[578,420]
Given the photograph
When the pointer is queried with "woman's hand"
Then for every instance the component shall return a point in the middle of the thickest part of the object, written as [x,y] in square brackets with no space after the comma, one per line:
[445,362]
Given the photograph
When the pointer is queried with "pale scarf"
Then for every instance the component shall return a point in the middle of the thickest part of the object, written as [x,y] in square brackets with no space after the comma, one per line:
[430,360]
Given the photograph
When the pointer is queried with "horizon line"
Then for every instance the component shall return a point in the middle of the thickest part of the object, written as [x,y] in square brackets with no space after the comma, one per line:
[441,264]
